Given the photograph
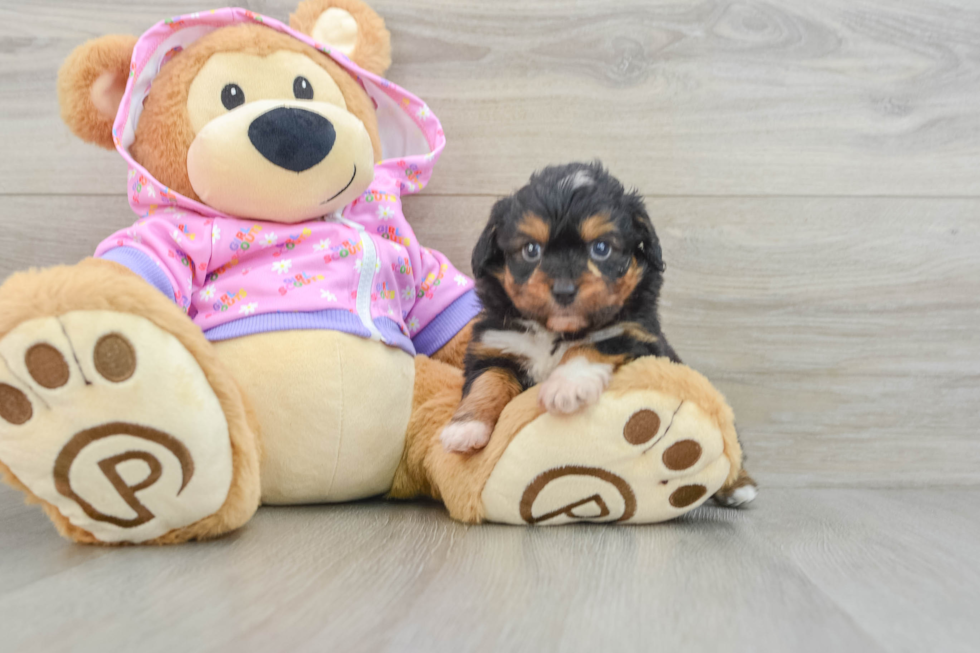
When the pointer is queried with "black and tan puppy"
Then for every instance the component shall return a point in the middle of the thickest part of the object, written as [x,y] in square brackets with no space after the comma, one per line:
[569,271]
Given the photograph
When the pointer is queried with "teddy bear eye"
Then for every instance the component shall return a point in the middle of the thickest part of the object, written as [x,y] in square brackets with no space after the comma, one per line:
[232,96]
[302,89]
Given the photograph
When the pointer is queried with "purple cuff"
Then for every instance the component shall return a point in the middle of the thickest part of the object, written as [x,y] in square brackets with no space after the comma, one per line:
[447,324]
[334,319]
[141,263]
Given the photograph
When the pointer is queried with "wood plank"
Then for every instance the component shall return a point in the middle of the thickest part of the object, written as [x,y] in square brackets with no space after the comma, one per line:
[804,570]
[39,231]
[849,546]
[840,97]
[843,331]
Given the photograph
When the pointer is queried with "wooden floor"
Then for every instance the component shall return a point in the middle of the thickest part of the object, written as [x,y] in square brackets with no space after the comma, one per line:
[813,170]
[804,570]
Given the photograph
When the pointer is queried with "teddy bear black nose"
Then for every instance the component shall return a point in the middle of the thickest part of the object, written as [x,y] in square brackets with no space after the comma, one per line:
[294,139]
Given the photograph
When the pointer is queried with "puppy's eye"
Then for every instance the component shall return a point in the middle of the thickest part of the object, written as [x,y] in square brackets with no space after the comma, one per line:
[302,89]
[531,252]
[232,96]
[600,250]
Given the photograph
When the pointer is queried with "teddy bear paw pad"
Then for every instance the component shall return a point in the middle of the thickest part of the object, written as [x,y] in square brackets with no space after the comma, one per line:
[635,457]
[111,420]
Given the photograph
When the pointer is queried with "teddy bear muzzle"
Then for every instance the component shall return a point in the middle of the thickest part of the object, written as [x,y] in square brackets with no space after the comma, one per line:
[281,160]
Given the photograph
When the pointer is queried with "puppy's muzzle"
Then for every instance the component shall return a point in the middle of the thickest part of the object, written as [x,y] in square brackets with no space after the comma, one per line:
[294,139]
[564,291]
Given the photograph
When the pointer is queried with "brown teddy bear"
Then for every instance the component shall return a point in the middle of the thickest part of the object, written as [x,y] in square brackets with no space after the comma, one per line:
[270,330]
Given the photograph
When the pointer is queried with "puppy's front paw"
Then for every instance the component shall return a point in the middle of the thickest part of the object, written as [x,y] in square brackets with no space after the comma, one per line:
[465,437]
[574,385]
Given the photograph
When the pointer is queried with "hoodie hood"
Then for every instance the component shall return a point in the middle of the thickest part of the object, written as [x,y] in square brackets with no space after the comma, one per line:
[411,136]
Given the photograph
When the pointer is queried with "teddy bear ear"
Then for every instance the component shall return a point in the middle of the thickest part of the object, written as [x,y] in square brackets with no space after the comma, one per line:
[91,84]
[349,26]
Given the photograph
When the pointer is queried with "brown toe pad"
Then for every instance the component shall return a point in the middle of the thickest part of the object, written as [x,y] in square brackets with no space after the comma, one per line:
[115,358]
[682,455]
[15,407]
[642,427]
[47,366]
[685,495]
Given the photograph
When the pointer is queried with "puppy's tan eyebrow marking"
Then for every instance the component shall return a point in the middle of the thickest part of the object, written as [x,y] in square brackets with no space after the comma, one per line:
[534,227]
[596,226]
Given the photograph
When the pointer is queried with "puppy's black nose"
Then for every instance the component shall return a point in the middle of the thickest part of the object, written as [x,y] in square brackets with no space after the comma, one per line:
[294,139]
[564,290]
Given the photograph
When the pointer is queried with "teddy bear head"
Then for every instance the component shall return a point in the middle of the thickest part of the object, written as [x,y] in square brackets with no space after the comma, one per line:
[246,119]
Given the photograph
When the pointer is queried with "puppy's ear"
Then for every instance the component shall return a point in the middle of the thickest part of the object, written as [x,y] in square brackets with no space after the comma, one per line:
[649,243]
[91,84]
[487,253]
[349,26]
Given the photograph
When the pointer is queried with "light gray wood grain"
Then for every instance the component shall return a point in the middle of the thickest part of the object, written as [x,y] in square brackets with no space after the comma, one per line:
[842,331]
[707,97]
[804,570]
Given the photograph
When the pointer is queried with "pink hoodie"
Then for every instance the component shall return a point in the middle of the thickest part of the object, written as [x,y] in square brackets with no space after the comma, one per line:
[361,270]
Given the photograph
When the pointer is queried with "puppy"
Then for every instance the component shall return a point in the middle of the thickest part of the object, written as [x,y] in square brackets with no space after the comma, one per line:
[569,271]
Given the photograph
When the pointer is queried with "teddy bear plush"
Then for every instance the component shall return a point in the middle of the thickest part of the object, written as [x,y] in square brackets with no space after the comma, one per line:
[271,331]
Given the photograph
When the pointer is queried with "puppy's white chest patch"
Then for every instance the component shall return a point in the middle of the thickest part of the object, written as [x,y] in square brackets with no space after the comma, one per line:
[536,346]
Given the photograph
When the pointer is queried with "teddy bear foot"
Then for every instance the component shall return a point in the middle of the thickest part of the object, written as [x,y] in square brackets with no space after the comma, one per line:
[111,423]
[637,456]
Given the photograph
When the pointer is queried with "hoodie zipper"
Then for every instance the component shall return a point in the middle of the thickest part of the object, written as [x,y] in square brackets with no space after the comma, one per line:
[369,264]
